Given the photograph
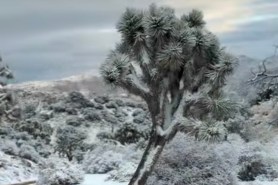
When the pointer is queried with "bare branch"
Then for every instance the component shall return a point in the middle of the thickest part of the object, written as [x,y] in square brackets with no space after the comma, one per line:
[264,74]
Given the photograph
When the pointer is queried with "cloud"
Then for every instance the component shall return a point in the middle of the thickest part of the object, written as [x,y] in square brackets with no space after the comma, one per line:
[52,39]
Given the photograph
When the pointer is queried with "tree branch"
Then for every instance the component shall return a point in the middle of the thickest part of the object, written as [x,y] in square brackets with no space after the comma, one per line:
[262,74]
[131,82]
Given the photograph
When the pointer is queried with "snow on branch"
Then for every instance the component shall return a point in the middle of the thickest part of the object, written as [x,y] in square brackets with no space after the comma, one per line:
[264,74]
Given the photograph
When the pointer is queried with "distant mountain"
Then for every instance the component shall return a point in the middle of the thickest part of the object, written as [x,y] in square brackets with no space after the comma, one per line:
[90,84]
[87,84]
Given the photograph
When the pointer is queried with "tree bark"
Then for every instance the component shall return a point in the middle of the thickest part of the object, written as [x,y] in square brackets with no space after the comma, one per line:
[148,160]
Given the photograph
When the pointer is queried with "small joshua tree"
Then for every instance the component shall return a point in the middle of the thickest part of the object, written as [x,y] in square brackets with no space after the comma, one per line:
[5,73]
[7,102]
[176,66]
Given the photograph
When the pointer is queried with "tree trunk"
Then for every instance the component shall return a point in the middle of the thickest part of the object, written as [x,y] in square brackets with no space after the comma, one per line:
[148,160]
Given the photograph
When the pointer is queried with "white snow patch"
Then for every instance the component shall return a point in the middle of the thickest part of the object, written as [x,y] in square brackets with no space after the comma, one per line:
[259,183]
[100,179]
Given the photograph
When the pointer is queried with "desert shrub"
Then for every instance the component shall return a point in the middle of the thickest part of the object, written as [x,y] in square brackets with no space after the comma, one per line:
[58,107]
[124,172]
[75,121]
[106,157]
[111,105]
[9,147]
[102,99]
[105,135]
[130,133]
[105,162]
[91,114]
[29,110]
[60,172]
[68,139]
[6,131]
[22,136]
[35,128]
[186,161]
[28,152]
[255,163]
[77,100]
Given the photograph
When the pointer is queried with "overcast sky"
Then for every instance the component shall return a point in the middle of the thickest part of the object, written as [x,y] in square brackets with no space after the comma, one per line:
[51,39]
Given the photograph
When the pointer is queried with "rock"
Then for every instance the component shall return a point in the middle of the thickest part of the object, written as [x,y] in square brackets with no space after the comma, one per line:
[102,99]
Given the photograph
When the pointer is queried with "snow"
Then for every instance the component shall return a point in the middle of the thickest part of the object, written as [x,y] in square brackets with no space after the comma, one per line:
[99,179]
[12,170]
[259,183]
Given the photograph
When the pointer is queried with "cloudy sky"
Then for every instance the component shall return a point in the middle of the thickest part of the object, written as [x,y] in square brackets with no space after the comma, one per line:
[51,39]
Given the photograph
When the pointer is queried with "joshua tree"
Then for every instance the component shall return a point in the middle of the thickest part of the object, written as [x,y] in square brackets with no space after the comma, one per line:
[5,73]
[176,66]
[7,100]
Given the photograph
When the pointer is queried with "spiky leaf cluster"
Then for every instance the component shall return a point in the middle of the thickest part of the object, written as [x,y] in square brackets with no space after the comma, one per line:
[212,131]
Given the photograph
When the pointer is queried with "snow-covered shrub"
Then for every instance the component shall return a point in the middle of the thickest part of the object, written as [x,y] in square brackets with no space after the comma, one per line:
[60,172]
[186,161]
[102,99]
[5,130]
[105,158]
[22,136]
[35,128]
[104,162]
[241,126]
[76,121]
[9,147]
[77,100]
[68,139]
[90,114]
[28,152]
[14,169]
[256,162]
[110,118]
[58,107]
[130,133]
[124,172]
[111,105]
[29,111]
[105,135]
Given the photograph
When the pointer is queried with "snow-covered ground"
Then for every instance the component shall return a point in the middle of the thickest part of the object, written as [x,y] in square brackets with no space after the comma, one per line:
[99,179]
[259,183]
